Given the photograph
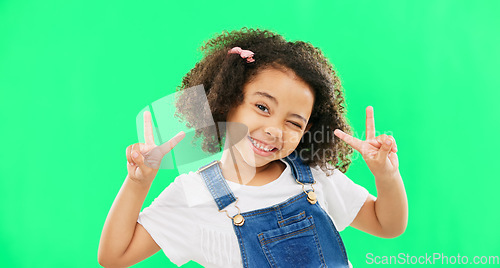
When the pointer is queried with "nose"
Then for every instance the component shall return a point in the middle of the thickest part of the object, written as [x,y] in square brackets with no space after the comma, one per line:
[274,132]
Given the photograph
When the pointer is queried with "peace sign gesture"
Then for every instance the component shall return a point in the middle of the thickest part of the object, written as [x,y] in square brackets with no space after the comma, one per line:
[378,152]
[144,158]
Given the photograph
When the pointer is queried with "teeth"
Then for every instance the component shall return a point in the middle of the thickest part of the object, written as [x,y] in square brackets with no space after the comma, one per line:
[256,144]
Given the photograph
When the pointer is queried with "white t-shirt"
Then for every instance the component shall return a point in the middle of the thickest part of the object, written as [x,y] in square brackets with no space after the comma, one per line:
[185,222]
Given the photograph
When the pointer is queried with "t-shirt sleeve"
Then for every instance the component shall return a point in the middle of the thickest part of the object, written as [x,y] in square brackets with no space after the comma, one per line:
[343,198]
[169,224]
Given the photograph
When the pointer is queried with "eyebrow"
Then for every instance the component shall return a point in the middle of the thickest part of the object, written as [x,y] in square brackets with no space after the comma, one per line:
[264,94]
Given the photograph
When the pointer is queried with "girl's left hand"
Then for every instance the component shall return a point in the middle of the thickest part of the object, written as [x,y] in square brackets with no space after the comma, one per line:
[378,152]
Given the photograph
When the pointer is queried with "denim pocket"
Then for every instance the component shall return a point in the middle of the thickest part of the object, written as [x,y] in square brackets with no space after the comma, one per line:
[294,245]
[292,219]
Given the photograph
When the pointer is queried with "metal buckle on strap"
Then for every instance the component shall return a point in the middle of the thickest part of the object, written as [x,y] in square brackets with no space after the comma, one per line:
[238,220]
[311,195]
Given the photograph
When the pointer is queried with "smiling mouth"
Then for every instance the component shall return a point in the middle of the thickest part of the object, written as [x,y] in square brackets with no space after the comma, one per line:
[262,147]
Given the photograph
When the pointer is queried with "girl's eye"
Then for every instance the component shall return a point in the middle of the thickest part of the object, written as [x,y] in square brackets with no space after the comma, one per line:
[262,108]
[295,124]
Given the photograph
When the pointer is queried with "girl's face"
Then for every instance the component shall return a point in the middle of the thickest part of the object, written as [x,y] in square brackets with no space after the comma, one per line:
[276,110]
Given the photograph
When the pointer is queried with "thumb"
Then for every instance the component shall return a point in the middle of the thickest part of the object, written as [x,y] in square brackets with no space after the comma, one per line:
[385,148]
[137,156]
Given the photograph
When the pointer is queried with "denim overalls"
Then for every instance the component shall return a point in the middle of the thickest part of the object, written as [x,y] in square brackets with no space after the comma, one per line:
[294,233]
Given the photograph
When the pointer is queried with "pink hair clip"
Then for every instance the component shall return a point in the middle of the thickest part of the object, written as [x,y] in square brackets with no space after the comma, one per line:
[243,53]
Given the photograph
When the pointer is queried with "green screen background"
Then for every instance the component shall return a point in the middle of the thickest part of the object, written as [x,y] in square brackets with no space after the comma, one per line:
[75,74]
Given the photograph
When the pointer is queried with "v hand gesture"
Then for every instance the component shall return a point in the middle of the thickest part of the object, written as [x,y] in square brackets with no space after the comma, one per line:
[144,158]
[378,152]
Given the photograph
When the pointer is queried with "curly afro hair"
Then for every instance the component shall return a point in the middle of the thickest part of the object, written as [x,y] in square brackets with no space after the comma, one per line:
[223,76]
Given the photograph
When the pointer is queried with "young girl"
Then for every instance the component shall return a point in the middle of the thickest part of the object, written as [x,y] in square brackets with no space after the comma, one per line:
[278,196]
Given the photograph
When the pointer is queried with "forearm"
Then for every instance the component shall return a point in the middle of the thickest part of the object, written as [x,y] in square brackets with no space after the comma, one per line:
[391,206]
[120,224]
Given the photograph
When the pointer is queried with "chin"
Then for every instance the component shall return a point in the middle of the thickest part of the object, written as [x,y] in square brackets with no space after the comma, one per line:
[250,158]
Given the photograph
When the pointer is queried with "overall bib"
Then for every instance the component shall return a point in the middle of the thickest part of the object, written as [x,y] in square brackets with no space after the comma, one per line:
[294,233]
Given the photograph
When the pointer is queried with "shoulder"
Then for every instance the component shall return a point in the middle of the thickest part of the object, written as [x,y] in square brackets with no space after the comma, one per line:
[182,191]
[333,176]
[192,186]
[337,186]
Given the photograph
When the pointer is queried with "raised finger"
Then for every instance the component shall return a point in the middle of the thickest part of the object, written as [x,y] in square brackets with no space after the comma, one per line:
[370,123]
[148,129]
[354,142]
[167,146]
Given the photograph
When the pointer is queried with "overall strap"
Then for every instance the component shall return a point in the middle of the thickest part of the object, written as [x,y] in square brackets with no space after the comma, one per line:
[217,185]
[301,172]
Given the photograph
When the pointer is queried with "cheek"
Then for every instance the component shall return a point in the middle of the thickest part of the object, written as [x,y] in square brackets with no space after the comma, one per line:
[294,138]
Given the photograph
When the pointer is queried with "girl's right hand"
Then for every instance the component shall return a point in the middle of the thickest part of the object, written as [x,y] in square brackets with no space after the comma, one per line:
[144,158]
